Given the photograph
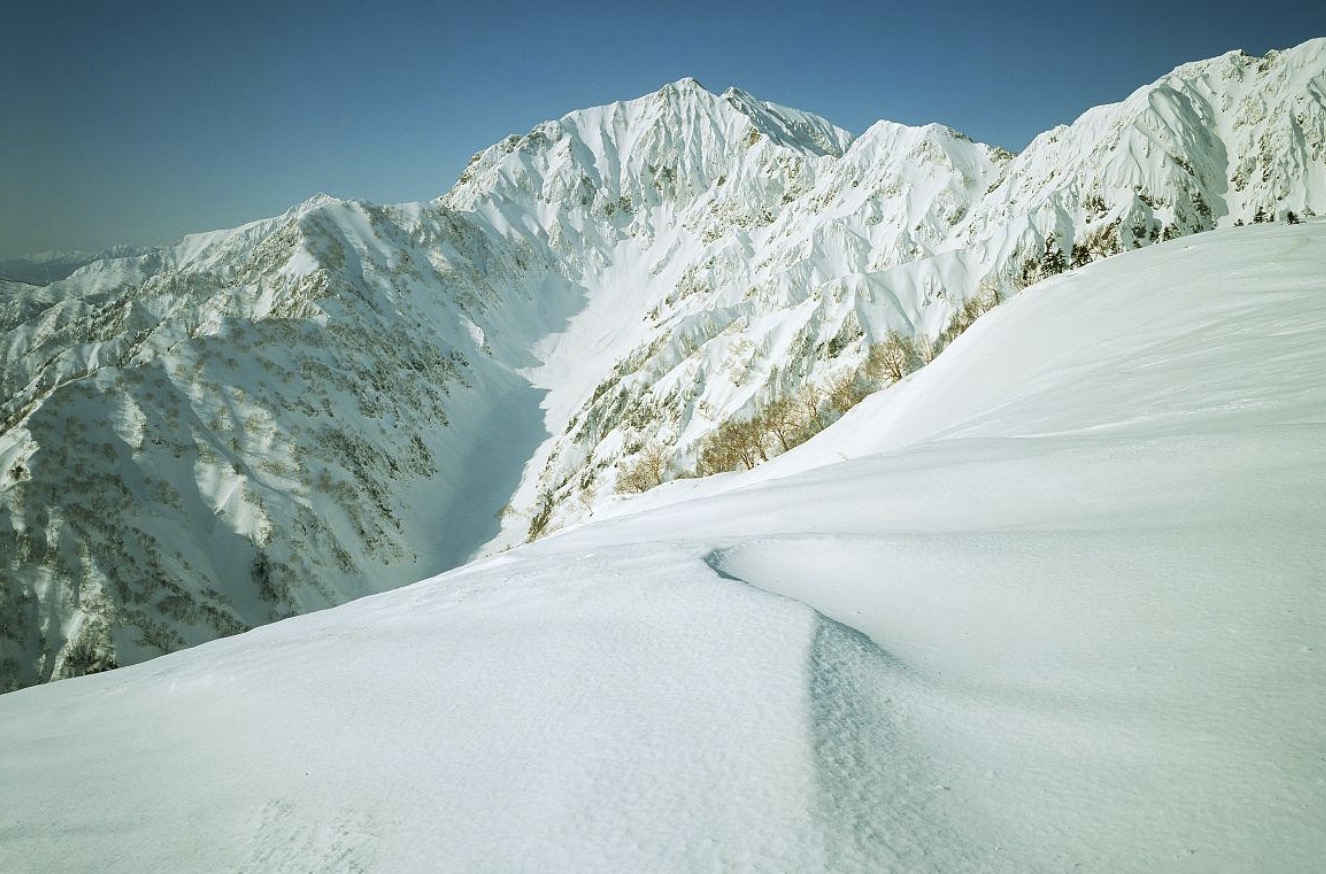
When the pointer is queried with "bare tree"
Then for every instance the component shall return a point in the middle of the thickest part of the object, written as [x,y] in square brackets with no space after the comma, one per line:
[717,454]
[891,359]
[647,470]
[792,419]
[844,392]
[734,444]
[749,436]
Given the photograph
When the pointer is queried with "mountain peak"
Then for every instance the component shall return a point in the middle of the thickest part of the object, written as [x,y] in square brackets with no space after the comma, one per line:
[320,199]
[687,83]
[685,89]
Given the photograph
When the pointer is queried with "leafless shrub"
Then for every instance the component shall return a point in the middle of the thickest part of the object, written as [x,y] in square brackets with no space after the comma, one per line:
[646,471]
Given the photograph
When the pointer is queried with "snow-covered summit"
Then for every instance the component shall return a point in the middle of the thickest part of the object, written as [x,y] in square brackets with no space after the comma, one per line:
[667,147]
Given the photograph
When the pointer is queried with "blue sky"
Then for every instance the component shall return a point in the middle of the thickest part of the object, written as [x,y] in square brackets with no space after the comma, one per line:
[137,122]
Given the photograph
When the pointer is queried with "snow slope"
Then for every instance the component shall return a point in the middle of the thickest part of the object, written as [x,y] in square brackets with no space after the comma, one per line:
[275,418]
[1053,603]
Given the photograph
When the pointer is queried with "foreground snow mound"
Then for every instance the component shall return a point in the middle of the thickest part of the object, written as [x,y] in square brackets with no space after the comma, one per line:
[988,622]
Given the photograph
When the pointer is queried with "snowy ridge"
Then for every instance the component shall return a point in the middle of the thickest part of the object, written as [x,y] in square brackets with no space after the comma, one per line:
[1041,618]
[1209,145]
[347,397]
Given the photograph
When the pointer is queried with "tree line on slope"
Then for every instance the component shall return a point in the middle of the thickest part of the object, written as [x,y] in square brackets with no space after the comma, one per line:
[791,419]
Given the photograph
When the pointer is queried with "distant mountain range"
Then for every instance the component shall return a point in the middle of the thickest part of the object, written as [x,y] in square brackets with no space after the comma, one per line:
[262,421]
[44,268]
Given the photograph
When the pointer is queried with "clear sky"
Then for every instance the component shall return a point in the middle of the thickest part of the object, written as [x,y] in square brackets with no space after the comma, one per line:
[138,121]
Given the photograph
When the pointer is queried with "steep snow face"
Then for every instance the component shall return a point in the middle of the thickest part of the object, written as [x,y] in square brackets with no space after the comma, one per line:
[348,392]
[1060,609]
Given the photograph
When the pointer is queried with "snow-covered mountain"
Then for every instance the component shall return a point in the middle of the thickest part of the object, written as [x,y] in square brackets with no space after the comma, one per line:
[263,421]
[733,251]
[1053,603]
[255,423]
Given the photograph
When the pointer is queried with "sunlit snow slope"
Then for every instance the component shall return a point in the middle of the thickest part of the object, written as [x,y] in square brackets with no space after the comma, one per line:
[1056,602]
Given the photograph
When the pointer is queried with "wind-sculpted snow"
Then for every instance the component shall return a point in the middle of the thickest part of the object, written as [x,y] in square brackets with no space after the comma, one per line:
[266,420]
[402,733]
[998,618]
